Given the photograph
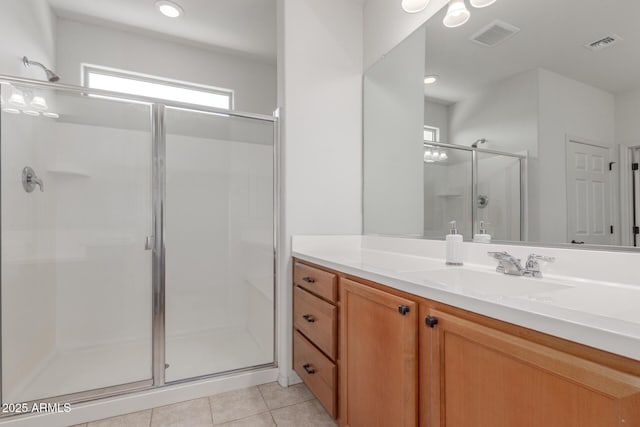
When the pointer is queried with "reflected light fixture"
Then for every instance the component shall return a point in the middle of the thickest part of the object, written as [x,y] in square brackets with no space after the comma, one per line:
[431,79]
[17,99]
[51,115]
[32,113]
[39,103]
[169,8]
[414,6]
[11,110]
[457,14]
[481,3]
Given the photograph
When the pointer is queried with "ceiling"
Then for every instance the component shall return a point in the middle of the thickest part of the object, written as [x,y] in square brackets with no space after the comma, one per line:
[553,34]
[246,26]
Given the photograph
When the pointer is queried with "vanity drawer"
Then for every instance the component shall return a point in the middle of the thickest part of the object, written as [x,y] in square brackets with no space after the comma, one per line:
[319,282]
[316,319]
[317,372]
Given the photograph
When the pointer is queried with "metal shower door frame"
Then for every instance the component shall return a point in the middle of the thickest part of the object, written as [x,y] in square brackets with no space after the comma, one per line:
[158,136]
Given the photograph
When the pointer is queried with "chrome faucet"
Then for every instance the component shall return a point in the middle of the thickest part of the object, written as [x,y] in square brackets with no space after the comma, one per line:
[508,264]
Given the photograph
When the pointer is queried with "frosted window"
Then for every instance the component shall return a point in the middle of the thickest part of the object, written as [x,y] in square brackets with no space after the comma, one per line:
[157,88]
[431,134]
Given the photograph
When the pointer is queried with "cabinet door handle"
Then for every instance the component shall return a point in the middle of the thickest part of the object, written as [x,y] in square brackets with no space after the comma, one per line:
[309,279]
[431,321]
[307,367]
[309,318]
[403,309]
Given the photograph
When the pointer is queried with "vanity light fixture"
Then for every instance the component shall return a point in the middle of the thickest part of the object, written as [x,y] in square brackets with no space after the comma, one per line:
[51,115]
[414,6]
[11,110]
[169,8]
[457,14]
[481,3]
[430,79]
[32,113]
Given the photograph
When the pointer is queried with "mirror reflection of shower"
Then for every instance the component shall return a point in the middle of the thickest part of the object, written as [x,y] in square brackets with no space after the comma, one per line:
[51,76]
[478,142]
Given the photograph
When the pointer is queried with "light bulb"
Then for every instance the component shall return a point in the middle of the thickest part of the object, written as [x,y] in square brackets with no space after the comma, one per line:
[443,156]
[39,103]
[414,6]
[481,3]
[169,8]
[457,14]
[429,80]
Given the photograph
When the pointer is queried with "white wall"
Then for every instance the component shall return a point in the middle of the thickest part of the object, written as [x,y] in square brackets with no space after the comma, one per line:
[566,107]
[320,90]
[28,29]
[386,25]
[393,128]
[506,114]
[253,82]
[627,112]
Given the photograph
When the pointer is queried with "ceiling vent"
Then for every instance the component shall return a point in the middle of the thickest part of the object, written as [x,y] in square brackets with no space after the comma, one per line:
[494,34]
[603,43]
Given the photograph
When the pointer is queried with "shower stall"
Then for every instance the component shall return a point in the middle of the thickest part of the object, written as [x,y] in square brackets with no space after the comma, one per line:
[473,185]
[137,242]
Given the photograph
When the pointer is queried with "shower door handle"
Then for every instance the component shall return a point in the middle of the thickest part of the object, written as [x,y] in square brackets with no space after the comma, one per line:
[148,243]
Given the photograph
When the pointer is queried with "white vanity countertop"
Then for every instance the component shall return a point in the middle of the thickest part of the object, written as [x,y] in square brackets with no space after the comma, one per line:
[572,301]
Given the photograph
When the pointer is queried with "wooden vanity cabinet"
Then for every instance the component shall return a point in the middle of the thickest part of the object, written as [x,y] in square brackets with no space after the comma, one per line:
[379,347]
[473,375]
[404,361]
[315,332]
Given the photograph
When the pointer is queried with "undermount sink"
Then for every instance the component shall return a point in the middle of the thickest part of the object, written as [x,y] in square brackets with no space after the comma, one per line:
[473,282]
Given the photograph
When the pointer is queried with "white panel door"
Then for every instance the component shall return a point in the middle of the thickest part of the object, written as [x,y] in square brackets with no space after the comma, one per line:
[588,194]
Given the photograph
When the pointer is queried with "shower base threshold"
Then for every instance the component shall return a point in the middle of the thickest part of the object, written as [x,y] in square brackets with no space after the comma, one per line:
[188,356]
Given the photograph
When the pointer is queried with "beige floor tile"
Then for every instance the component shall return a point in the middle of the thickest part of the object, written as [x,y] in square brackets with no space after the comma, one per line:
[305,414]
[276,396]
[237,404]
[260,420]
[193,413]
[136,419]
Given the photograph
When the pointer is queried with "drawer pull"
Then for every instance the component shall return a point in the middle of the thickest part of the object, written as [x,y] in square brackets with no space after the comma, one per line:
[309,279]
[309,369]
[309,318]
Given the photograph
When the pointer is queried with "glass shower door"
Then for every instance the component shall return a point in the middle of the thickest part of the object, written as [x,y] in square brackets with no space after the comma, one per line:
[219,243]
[498,202]
[76,277]
[447,191]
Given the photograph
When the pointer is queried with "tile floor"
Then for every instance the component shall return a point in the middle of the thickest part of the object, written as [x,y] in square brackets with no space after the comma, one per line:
[264,405]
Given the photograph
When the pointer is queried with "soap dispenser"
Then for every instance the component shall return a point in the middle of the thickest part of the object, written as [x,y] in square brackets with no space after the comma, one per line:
[454,245]
[482,236]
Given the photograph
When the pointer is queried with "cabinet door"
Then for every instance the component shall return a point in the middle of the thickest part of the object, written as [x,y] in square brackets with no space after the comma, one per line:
[378,358]
[481,377]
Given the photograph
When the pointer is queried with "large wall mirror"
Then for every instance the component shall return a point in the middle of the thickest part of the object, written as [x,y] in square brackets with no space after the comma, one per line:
[525,119]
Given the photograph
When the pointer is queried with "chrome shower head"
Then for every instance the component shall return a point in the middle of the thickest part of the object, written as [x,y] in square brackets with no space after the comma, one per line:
[51,76]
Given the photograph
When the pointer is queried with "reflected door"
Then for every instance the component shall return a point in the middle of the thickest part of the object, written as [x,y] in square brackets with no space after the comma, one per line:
[76,276]
[588,194]
[219,244]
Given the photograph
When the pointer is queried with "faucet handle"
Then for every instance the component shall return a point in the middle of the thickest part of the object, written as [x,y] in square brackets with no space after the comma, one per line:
[533,267]
[534,257]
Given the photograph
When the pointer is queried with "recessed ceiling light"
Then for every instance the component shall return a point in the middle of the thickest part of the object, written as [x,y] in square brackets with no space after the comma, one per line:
[429,80]
[169,8]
